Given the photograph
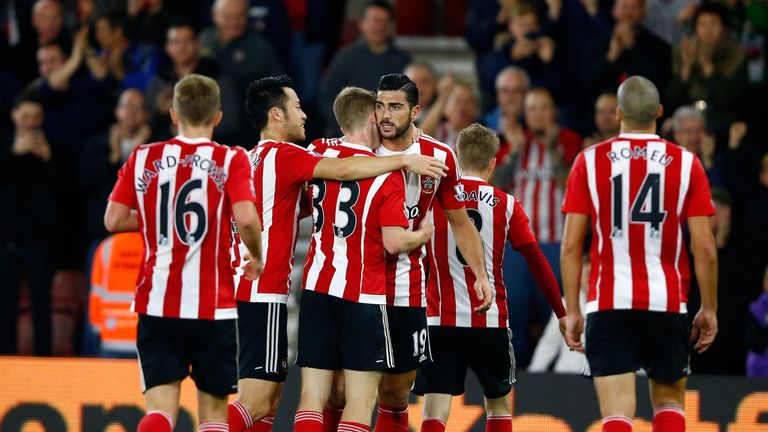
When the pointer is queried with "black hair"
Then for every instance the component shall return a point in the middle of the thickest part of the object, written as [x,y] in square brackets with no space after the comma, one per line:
[398,81]
[184,23]
[27,97]
[382,4]
[116,19]
[65,49]
[263,95]
[716,9]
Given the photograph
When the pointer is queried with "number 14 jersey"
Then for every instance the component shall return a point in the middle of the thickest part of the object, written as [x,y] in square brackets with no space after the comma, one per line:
[638,190]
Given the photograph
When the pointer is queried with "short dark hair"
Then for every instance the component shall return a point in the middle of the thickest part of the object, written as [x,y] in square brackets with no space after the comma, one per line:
[27,97]
[381,4]
[114,17]
[715,9]
[398,81]
[65,50]
[184,23]
[263,95]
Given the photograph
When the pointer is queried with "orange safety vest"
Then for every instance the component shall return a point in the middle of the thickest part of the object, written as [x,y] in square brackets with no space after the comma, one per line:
[113,283]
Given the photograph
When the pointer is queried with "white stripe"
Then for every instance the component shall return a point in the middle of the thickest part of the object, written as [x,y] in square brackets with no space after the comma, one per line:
[486,237]
[268,350]
[589,162]
[622,263]
[545,234]
[374,189]
[686,164]
[269,175]
[463,306]
[141,157]
[528,200]
[559,217]
[388,350]
[657,281]
[164,254]
[219,210]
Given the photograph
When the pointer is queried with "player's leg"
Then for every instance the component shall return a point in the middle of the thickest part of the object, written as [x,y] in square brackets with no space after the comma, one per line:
[361,390]
[162,408]
[612,346]
[263,362]
[336,402]
[318,356]
[410,340]
[212,410]
[437,409]
[266,423]
[667,368]
[492,359]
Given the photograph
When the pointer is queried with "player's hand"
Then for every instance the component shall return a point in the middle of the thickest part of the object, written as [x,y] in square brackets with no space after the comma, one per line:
[574,327]
[484,294]
[426,229]
[704,329]
[253,267]
[423,165]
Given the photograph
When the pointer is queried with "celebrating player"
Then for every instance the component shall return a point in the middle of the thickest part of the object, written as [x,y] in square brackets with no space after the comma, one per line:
[181,194]
[638,190]
[280,171]
[460,339]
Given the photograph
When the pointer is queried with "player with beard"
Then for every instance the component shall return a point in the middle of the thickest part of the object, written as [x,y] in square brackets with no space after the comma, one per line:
[281,170]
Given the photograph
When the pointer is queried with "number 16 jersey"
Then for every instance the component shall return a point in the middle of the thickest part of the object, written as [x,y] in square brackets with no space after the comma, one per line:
[638,189]
[183,190]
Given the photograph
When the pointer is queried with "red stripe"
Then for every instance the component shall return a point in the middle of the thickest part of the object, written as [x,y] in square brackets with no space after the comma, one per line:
[209,289]
[670,228]
[637,233]
[501,225]
[553,210]
[477,320]
[323,284]
[605,261]
[447,296]
[172,304]
[150,207]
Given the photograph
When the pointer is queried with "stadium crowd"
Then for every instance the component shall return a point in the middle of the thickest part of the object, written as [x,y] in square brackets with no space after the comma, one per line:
[83,82]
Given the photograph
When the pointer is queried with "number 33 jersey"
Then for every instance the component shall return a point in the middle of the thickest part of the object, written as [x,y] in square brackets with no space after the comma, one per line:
[346,257]
[183,190]
[638,190]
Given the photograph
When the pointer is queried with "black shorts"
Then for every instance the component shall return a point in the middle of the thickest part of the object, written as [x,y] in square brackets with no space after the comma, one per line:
[410,337]
[263,341]
[169,348]
[340,334]
[487,351]
[621,341]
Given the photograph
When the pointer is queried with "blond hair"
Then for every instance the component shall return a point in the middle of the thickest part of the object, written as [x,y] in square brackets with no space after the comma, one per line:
[196,99]
[477,146]
[353,107]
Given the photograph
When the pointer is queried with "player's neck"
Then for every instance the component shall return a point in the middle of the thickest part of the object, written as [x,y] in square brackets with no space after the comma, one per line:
[399,144]
[273,135]
[474,173]
[359,139]
[196,131]
[627,129]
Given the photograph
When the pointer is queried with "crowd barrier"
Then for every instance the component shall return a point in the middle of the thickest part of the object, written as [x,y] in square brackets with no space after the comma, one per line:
[95,395]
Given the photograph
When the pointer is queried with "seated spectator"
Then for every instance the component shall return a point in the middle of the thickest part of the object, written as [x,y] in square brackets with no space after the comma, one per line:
[512,83]
[105,153]
[365,61]
[709,69]
[26,228]
[606,122]
[630,50]
[689,126]
[183,49]
[244,54]
[458,112]
[132,64]
[48,27]
[757,339]
[536,174]
[423,74]
[528,48]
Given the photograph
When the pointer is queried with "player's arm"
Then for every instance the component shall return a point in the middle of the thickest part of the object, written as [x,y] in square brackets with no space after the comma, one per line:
[704,251]
[471,248]
[120,218]
[355,168]
[570,269]
[249,229]
[398,239]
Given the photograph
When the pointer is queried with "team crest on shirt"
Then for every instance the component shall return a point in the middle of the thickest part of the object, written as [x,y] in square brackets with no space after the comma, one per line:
[428,185]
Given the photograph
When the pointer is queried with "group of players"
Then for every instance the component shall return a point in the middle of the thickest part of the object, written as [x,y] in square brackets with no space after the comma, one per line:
[403,287]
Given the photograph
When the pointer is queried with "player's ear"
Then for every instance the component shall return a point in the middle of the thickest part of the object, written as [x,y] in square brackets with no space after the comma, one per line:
[619,115]
[415,111]
[660,111]
[217,118]
[174,116]
[492,164]
[276,113]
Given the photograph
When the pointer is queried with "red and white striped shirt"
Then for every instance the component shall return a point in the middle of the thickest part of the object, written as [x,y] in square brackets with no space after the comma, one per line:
[536,185]
[279,173]
[451,297]
[183,190]
[346,257]
[638,189]
[406,275]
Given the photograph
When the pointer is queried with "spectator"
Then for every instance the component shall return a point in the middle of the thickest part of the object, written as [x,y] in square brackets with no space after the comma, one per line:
[105,153]
[689,127]
[132,64]
[458,112]
[512,83]
[537,172]
[606,122]
[238,50]
[423,74]
[669,19]
[183,48]
[709,67]
[362,63]
[757,358]
[528,48]
[755,230]
[152,18]
[26,229]
[630,50]
[47,24]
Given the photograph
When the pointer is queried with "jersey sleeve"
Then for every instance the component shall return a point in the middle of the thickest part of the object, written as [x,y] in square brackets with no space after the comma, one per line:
[239,185]
[519,233]
[577,199]
[392,204]
[700,198]
[124,191]
[450,190]
[298,162]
